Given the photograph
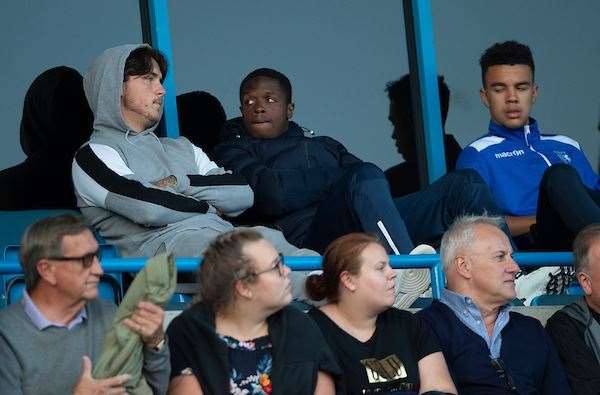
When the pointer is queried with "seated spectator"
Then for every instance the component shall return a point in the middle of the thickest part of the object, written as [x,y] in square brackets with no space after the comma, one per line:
[314,190]
[404,177]
[543,183]
[575,329]
[49,340]
[56,122]
[201,117]
[380,349]
[140,191]
[488,348]
[241,337]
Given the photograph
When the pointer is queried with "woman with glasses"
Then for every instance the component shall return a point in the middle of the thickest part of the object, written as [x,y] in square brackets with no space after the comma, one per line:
[381,350]
[240,337]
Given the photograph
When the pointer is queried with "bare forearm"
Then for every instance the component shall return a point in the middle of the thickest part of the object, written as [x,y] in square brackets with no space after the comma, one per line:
[519,225]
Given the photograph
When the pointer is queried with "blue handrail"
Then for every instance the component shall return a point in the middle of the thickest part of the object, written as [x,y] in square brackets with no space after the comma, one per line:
[524,259]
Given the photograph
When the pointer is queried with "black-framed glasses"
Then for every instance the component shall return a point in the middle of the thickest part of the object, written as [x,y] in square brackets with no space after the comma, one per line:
[278,264]
[500,368]
[86,260]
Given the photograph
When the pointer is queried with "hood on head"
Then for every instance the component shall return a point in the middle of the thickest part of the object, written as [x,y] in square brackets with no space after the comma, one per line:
[56,116]
[103,85]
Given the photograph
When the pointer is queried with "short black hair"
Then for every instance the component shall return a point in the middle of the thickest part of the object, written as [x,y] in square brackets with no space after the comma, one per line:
[399,92]
[506,53]
[139,62]
[264,72]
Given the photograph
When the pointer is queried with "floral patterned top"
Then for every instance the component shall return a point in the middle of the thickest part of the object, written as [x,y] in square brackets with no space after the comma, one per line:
[250,365]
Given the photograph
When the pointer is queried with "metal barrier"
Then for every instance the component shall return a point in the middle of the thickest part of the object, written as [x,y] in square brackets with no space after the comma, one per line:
[432,262]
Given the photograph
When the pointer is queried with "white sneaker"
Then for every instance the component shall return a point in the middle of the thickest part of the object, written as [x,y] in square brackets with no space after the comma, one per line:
[412,283]
[530,285]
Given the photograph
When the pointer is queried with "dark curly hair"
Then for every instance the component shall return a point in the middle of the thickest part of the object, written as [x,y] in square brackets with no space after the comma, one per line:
[509,53]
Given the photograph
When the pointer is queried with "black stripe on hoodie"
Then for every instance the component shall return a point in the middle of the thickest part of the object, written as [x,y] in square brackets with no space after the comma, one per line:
[108,179]
[216,180]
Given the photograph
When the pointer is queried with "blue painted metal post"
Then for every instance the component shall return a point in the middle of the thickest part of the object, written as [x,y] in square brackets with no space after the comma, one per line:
[424,46]
[161,40]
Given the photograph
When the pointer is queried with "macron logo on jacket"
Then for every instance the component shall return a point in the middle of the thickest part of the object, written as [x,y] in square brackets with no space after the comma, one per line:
[508,154]
[513,161]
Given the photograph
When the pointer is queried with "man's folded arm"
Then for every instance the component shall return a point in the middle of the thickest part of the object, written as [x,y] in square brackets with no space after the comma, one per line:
[229,193]
[279,191]
[102,179]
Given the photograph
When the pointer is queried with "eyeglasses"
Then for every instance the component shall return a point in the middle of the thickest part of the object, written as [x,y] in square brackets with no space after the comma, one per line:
[500,368]
[278,264]
[86,260]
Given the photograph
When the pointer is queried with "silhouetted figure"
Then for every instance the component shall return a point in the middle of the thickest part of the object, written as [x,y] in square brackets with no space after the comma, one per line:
[56,121]
[404,177]
[201,117]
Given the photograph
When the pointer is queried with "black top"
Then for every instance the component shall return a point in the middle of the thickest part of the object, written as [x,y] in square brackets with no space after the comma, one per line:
[56,121]
[579,361]
[299,351]
[387,362]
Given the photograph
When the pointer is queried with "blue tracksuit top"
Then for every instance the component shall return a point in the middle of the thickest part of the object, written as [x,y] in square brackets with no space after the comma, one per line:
[513,161]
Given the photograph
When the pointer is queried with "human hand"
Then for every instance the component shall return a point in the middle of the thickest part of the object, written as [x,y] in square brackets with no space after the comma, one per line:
[147,321]
[87,385]
[167,182]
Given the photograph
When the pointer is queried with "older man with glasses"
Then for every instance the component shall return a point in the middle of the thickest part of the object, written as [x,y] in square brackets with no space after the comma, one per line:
[49,340]
[489,349]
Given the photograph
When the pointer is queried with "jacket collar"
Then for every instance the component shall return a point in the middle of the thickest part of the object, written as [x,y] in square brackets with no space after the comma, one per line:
[235,128]
[526,134]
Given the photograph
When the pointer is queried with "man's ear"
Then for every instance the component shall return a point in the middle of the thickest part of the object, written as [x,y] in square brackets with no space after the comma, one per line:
[536,89]
[585,282]
[483,96]
[46,270]
[243,289]
[290,111]
[348,281]
[463,266]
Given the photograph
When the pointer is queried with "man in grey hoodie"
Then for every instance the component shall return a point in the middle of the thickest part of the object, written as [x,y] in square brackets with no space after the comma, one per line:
[138,190]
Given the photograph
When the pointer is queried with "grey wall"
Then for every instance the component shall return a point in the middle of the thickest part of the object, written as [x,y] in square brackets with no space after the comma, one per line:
[38,35]
[565,40]
[338,55]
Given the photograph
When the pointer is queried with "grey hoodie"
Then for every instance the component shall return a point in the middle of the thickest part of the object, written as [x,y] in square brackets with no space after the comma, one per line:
[113,176]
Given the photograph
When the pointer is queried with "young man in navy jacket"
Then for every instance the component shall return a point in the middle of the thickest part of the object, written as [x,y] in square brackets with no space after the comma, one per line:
[543,182]
[314,190]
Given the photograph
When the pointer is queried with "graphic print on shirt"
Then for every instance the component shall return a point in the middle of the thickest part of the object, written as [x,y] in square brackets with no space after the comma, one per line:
[384,370]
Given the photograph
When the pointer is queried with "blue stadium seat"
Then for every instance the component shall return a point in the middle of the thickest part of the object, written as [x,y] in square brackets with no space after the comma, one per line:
[108,289]
[574,289]
[554,300]
[12,226]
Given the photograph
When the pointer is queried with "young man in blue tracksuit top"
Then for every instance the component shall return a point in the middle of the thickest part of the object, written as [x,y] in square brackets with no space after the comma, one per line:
[543,182]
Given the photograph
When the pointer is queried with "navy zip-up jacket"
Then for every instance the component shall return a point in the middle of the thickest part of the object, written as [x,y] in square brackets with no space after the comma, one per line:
[513,161]
[289,174]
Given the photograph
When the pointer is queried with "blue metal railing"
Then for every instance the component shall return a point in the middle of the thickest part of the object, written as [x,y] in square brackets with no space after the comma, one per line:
[524,259]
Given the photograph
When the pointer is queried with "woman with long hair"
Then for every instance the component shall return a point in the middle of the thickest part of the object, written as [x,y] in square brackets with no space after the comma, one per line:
[240,336]
[381,350]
